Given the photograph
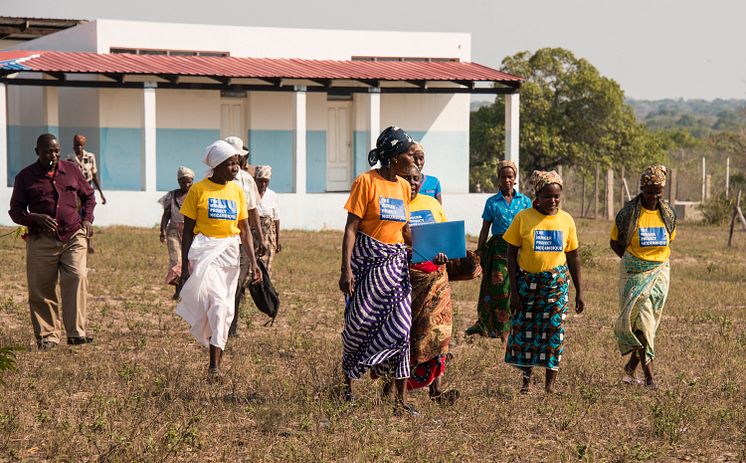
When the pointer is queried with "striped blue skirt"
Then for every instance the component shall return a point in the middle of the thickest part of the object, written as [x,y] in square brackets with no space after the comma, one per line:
[378,315]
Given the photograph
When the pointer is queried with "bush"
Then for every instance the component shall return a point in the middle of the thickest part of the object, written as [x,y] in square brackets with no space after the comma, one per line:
[7,360]
[717,210]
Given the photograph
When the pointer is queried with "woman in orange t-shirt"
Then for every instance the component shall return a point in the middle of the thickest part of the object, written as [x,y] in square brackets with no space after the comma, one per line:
[375,274]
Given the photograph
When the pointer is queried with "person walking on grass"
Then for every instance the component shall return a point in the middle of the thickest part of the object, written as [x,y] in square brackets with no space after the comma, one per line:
[269,217]
[53,199]
[375,272]
[215,221]
[432,308]
[245,179]
[172,224]
[86,162]
[542,245]
[641,235]
[493,305]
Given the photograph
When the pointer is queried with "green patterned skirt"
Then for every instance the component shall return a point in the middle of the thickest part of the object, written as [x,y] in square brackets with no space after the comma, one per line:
[643,289]
[493,306]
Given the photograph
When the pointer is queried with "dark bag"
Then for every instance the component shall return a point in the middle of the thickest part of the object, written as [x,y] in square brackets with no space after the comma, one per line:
[465,268]
[265,296]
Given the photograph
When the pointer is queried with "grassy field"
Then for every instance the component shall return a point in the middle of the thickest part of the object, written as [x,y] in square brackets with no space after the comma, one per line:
[139,392]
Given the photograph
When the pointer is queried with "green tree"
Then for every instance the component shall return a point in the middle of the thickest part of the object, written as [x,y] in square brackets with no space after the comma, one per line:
[571,115]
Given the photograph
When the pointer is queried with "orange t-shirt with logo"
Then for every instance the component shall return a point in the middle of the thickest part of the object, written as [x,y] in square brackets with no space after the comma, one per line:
[382,205]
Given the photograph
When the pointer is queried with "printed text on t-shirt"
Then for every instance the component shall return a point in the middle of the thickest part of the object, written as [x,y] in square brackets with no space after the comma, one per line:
[221,209]
[392,209]
[417,218]
[652,236]
[548,241]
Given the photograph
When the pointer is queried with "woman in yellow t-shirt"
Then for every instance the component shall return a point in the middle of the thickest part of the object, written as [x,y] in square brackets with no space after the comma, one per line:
[374,276]
[215,221]
[542,245]
[641,236]
[432,309]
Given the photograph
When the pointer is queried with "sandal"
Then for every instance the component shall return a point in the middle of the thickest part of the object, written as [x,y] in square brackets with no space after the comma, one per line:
[401,408]
[214,374]
[630,378]
[446,398]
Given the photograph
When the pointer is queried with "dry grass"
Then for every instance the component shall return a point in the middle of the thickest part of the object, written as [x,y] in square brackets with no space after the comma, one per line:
[139,392]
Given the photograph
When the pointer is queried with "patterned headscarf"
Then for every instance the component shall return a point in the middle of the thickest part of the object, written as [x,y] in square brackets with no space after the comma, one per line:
[507,163]
[263,172]
[540,179]
[392,142]
[654,175]
[80,139]
[184,172]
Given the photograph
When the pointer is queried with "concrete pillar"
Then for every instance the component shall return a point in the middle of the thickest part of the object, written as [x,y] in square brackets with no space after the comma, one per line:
[374,116]
[610,213]
[708,186]
[4,136]
[51,101]
[148,136]
[299,139]
[512,129]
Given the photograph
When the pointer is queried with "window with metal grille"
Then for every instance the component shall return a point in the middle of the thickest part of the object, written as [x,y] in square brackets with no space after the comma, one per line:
[402,58]
[146,51]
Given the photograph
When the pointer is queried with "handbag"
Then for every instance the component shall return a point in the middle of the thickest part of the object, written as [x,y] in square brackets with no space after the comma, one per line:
[465,268]
[265,296]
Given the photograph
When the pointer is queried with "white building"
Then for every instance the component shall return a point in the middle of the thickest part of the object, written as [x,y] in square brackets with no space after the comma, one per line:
[310,103]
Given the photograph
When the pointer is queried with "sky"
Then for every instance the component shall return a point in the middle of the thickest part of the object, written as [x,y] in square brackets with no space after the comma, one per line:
[654,49]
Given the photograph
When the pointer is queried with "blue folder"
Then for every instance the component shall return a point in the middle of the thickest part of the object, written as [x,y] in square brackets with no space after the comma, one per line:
[432,238]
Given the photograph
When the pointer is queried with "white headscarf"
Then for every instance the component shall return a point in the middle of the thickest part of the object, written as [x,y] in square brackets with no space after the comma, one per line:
[216,154]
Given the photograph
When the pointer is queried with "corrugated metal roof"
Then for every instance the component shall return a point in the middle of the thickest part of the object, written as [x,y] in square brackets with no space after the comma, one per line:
[233,67]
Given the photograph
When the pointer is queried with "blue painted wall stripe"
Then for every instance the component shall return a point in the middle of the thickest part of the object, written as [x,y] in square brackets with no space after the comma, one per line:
[21,144]
[181,147]
[120,158]
[274,148]
[316,161]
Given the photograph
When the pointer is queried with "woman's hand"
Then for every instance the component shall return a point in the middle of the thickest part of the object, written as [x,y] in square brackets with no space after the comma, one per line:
[278,248]
[440,259]
[579,303]
[256,275]
[347,282]
[163,237]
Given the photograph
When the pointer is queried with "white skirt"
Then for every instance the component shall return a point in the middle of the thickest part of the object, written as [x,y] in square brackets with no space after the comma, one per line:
[208,296]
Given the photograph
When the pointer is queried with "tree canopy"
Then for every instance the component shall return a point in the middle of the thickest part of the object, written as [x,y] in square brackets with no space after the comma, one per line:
[571,115]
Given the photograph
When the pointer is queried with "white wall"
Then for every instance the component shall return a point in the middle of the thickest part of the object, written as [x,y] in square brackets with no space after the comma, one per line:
[260,42]
[269,42]
[187,109]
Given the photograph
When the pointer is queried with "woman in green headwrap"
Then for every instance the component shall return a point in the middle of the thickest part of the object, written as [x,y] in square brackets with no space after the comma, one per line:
[641,236]
[493,306]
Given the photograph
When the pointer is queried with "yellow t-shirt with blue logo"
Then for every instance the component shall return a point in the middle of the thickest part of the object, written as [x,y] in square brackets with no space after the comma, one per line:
[542,239]
[425,209]
[650,239]
[216,208]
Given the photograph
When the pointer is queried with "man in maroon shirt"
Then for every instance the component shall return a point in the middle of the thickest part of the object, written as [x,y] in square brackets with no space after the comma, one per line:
[45,199]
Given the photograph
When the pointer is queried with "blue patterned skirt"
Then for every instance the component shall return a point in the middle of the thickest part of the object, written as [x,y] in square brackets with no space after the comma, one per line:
[378,316]
[537,330]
